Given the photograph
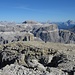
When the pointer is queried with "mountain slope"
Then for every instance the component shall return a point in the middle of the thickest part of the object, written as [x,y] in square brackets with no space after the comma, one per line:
[66,25]
[51,33]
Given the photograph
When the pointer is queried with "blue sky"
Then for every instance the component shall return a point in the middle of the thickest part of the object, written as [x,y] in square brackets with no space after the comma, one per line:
[39,10]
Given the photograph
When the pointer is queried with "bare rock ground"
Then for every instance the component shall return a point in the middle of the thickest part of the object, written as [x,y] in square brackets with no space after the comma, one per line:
[37,58]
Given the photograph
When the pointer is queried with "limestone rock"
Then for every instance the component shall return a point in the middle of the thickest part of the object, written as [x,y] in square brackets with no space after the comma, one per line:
[47,33]
[7,37]
[51,33]
[35,59]
[20,70]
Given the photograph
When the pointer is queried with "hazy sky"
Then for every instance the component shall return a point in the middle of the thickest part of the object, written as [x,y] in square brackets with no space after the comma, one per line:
[39,10]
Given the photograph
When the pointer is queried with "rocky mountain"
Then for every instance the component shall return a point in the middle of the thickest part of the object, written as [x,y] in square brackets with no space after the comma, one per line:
[47,33]
[65,25]
[30,22]
[22,27]
[14,28]
[8,37]
[66,36]
[2,23]
[51,33]
[34,48]
[41,32]
[72,29]
[37,58]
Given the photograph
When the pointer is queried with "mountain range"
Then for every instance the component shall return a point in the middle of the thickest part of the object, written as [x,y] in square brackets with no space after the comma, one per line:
[65,25]
[35,48]
[48,32]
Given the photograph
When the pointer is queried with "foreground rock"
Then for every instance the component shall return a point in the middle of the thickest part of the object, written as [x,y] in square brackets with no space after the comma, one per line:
[20,70]
[37,58]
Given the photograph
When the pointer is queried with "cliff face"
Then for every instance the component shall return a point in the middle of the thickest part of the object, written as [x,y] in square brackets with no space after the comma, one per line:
[7,37]
[66,36]
[47,33]
[42,32]
[51,33]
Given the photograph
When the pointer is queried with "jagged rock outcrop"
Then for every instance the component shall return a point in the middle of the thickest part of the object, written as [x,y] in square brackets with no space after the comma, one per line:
[12,28]
[20,70]
[40,58]
[7,57]
[7,37]
[51,33]
[47,33]
[42,32]
[22,27]
[66,36]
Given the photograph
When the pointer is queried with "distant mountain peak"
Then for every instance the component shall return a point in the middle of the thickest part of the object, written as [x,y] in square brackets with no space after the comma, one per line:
[70,22]
[30,22]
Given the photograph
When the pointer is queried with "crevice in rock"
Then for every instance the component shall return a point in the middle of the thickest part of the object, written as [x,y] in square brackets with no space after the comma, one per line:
[69,72]
[54,62]
[4,63]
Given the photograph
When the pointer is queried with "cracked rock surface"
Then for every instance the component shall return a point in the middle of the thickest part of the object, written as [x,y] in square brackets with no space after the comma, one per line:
[37,58]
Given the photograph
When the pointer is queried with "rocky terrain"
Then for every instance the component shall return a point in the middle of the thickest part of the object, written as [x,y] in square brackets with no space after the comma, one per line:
[7,37]
[51,33]
[37,58]
[33,48]
[41,32]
